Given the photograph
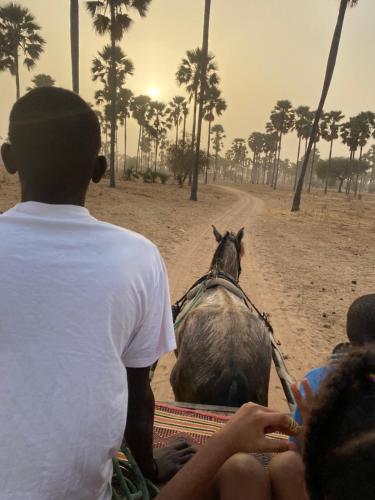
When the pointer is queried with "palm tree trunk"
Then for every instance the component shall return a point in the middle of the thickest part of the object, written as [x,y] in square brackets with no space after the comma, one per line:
[208,152]
[176,133]
[113,85]
[312,169]
[327,82]
[156,153]
[125,144]
[184,134]
[17,71]
[298,153]
[216,158]
[202,79]
[329,168]
[193,131]
[74,43]
[253,170]
[139,145]
[277,163]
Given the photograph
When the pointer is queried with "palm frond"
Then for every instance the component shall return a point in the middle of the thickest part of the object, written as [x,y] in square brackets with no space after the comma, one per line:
[94,6]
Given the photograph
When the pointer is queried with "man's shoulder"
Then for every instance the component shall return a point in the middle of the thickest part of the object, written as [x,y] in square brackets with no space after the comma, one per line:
[127,239]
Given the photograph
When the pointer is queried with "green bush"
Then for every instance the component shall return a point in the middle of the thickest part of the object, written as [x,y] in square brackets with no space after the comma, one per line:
[163,177]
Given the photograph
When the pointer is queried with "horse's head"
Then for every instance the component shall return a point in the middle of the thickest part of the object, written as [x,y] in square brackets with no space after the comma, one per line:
[227,257]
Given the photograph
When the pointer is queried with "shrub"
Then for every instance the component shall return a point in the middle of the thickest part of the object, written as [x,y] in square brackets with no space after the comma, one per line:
[163,177]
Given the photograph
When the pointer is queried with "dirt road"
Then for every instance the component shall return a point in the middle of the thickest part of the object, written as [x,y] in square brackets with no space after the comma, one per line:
[193,260]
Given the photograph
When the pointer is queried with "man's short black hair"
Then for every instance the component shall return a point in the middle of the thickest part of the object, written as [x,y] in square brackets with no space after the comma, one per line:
[360,323]
[55,137]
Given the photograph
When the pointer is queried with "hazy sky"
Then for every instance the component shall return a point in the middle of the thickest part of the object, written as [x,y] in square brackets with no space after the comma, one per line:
[266,50]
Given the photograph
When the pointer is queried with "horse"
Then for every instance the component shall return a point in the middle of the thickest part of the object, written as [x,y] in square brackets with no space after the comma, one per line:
[224,350]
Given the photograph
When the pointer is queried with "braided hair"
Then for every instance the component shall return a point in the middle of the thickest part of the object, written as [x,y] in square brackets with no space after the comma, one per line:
[339,452]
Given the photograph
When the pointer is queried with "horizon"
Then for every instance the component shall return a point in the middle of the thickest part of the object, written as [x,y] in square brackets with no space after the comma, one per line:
[293,71]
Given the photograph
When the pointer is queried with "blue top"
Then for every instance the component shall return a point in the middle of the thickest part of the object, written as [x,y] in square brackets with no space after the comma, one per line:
[315,377]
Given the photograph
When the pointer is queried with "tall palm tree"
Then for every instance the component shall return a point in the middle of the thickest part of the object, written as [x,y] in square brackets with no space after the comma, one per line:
[214,105]
[281,121]
[202,94]
[19,34]
[217,143]
[270,147]
[139,108]
[350,135]
[102,64]
[124,105]
[327,82]
[175,112]
[330,126]
[188,74]
[41,80]
[112,17]
[370,158]
[256,144]
[157,125]
[74,43]
[302,114]
[185,112]
[316,140]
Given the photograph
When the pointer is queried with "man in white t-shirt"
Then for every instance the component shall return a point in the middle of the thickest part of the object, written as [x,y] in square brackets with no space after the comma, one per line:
[84,312]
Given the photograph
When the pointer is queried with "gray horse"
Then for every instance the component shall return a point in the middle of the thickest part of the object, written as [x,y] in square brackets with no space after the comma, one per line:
[223,348]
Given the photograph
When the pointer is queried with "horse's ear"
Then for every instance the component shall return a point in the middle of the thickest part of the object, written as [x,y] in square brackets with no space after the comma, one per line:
[217,235]
[240,235]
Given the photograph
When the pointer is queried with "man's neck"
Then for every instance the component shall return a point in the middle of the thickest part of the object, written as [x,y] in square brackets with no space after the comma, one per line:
[54,199]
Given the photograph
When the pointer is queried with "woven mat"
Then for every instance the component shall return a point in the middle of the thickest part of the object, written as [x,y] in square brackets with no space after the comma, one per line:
[195,426]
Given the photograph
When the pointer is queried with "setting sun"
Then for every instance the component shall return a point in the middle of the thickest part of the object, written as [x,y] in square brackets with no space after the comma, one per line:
[154,92]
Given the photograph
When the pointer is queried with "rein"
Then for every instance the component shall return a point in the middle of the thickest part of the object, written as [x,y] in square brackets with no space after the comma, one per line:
[201,285]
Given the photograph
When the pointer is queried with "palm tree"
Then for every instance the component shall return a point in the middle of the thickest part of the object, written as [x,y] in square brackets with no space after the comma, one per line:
[19,34]
[111,16]
[102,64]
[41,80]
[281,121]
[350,134]
[370,158]
[185,112]
[139,108]
[188,75]
[214,105]
[175,112]
[124,105]
[270,146]
[74,43]
[330,126]
[316,140]
[202,94]
[217,144]
[256,144]
[157,125]
[327,82]
[301,124]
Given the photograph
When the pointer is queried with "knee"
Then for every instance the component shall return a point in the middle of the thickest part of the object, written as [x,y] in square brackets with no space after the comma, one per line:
[286,464]
[241,466]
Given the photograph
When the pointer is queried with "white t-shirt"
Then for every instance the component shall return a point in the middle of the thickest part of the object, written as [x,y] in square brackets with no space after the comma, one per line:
[80,300]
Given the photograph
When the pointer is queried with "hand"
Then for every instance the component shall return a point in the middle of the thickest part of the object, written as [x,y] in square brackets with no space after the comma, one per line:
[246,431]
[304,402]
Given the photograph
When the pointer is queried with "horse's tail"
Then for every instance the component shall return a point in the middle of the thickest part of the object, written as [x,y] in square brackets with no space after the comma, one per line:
[238,392]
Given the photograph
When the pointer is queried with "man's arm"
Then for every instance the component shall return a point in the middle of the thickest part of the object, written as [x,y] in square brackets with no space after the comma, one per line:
[140,421]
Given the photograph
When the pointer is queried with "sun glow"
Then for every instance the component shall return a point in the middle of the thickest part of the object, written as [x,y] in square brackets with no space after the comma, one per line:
[153,92]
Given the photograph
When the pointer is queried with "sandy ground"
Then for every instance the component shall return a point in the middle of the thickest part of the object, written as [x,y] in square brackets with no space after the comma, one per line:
[304,269]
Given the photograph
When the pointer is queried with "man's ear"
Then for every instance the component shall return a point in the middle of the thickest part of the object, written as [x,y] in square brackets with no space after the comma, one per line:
[8,158]
[240,235]
[217,235]
[99,169]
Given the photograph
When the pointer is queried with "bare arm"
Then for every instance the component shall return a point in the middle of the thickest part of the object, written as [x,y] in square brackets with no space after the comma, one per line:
[244,433]
[139,426]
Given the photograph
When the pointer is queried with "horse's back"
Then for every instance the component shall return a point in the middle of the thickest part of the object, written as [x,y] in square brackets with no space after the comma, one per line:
[224,354]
